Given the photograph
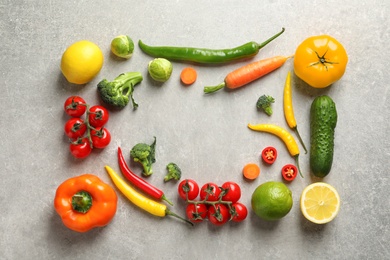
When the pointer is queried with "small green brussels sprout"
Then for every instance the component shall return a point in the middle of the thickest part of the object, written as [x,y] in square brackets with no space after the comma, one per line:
[122,46]
[160,69]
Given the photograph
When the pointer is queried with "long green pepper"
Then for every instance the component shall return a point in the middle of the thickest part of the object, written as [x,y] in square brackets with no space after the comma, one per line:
[206,56]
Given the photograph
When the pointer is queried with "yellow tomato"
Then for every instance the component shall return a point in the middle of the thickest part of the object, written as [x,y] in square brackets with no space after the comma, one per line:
[81,62]
[320,61]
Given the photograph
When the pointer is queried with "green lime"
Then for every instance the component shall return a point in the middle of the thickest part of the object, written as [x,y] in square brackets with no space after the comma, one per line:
[272,200]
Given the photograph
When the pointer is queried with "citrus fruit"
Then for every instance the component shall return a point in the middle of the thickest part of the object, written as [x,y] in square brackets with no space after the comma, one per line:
[81,62]
[272,200]
[320,203]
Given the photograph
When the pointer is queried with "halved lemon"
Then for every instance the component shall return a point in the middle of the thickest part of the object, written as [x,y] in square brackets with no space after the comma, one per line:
[320,203]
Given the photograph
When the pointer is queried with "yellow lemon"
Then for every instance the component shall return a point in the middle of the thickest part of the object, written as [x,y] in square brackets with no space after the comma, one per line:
[81,62]
[320,203]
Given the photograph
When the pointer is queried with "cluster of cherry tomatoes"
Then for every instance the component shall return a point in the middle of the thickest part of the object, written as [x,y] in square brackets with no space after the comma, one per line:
[218,204]
[88,133]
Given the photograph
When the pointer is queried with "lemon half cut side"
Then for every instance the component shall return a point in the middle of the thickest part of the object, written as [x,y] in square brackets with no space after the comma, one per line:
[320,203]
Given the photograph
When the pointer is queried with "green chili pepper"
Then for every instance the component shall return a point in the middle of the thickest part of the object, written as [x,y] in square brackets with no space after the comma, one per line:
[207,56]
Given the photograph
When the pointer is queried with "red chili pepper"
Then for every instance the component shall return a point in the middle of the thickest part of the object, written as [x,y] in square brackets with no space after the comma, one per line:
[138,181]
[269,154]
[289,172]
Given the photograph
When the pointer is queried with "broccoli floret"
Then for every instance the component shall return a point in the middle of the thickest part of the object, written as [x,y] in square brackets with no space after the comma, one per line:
[264,102]
[144,154]
[174,172]
[117,92]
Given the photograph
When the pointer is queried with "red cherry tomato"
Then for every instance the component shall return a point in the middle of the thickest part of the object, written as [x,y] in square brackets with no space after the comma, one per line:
[231,191]
[269,155]
[196,212]
[188,189]
[98,116]
[80,148]
[101,137]
[210,191]
[75,128]
[218,214]
[238,211]
[289,172]
[75,106]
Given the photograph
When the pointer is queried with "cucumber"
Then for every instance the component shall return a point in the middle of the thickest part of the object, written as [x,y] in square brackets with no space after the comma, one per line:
[323,120]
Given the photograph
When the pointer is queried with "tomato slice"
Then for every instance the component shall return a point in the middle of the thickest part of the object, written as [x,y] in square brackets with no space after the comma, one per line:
[269,155]
[289,172]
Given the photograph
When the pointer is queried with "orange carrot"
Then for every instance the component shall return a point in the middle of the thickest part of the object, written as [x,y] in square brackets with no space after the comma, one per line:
[251,171]
[248,73]
[188,75]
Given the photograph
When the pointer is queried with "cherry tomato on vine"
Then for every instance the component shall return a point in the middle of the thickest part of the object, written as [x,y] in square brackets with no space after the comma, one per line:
[188,189]
[98,116]
[75,127]
[101,137]
[75,106]
[196,212]
[80,148]
[210,191]
[269,155]
[231,191]
[289,172]
[218,214]
[238,211]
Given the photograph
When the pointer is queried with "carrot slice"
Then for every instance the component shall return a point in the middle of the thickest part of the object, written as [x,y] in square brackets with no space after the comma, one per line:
[251,171]
[188,75]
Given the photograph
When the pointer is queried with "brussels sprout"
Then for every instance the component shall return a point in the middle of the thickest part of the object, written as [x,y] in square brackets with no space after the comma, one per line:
[122,46]
[160,69]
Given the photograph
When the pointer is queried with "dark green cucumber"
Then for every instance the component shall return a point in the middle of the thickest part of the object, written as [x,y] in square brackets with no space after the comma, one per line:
[323,120]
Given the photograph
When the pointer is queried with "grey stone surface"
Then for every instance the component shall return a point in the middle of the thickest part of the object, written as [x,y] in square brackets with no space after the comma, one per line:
[206,135]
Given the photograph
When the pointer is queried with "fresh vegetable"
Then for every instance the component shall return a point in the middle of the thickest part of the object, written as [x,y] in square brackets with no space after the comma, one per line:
[323,120]
[89,133]
[138,182]
[75,106]
[138,199]
[264,102]
[118,92]
[238,211]
[218,214]
[81,62]
[289,110]
[248,73]
[320,203]
[196,212]
[285,136]
[85,202]
[269,154]
[174,172]
[160,69]
[320,61]
[210,192]
[101,137]
[80,148]
[188,76]
[98,116]
[230,191]
[145,155]
[251,171]
[289,172]
[122,46]
[202,55]
[188,189]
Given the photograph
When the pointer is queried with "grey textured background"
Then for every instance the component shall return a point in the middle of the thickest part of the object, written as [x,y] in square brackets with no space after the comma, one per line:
[206,135]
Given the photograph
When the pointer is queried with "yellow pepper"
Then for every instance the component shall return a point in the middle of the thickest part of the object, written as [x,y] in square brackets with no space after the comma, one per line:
[153,207]
[320,61]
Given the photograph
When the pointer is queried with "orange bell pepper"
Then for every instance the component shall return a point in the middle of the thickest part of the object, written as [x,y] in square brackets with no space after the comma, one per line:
[85,202]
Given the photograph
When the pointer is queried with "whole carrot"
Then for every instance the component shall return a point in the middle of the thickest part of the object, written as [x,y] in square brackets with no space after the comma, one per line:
[289,110]
[248,73]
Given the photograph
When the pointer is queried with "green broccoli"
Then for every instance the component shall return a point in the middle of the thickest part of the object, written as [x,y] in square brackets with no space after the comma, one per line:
[264,102]
[144,154]
[174,172]
[117,92]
